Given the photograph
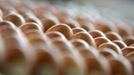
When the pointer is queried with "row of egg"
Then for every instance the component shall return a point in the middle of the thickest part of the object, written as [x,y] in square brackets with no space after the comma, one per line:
[48,40]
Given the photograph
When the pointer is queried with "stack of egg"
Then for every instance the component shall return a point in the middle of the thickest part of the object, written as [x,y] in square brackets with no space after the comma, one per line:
[48,40]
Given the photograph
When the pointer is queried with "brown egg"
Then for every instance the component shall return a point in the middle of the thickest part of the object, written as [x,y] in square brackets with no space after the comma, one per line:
[130,57]
[72,23]
[12,41]
[120,66]
[124,29]
[45,63]
[84,36]
[15,18]
[84,18]
[30,26]
[8,32]
[13,48]
[95,65]
[70,67]
[35,37]
[55,35]
[62,45]
[127,50]
[85,22]
[15,57]
[113,36]
[123,33]
[108,53]
[79,43]
[97,33]
[129,40]
[62,15]
[76,30]
[38,11]
[71,64]
[104,26]
[112,46]
[30,17]
[48,22]
[63,28]
[101,40]
[6,24]
[121,44]
[88,26]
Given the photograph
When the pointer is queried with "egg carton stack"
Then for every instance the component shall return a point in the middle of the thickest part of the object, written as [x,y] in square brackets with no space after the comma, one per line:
[46,39]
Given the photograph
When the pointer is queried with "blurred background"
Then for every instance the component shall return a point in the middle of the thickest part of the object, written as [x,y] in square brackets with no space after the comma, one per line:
[105,7]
